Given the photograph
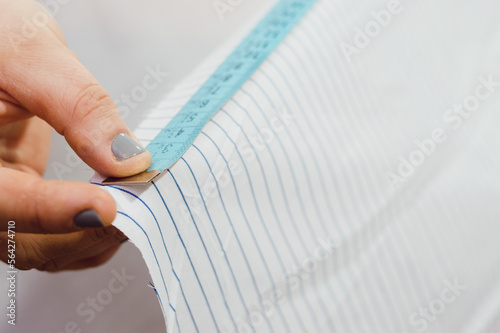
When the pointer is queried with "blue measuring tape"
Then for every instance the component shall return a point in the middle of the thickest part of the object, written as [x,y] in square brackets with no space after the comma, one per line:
[180,133]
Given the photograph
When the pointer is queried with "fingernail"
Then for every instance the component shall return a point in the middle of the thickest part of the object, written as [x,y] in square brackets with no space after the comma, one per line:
[124,146]
[125,240]
[88,219]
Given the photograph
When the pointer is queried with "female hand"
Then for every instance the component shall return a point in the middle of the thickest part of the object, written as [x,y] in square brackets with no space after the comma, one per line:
[58,225]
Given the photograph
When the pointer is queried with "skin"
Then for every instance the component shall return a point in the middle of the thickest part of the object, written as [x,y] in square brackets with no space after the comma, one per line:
[43,85]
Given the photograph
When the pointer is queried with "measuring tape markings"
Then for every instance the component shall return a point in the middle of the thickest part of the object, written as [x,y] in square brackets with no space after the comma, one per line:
[180,133]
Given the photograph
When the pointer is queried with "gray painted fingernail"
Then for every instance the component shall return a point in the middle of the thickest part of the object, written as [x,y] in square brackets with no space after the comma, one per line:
[125,240]
[88,219]
[124,147]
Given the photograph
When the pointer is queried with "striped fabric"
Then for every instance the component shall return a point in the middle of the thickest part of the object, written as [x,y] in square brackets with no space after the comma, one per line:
[351,185]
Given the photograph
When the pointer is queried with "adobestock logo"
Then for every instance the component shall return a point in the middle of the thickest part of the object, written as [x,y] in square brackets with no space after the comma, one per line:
[150,82]
[363,37]
[222,7]
[453,119]
[288,285]
[408,166]
[39,20]
[89,309]
[421,319]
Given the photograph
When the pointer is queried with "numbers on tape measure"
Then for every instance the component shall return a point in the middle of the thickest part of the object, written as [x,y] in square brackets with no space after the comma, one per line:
[179,134]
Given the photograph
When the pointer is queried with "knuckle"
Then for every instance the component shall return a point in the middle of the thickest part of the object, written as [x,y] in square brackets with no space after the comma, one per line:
[96,235]
[29,255]
[92,101]
[119,236]
[7,151]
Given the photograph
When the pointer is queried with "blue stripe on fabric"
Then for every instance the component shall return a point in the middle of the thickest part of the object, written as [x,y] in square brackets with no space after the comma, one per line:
[297,262]
[215,230]
[166,250]
[188,256]
[206,251]
[248,226]
[298,192]
[158,264]
[300,320]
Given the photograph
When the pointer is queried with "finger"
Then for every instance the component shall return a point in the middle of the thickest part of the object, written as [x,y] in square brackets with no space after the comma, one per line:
[4,96]
[49,81]
[26,145]
[10,112]
[43,206]
[95,261]
[90,245]
[55,252]
[19,167]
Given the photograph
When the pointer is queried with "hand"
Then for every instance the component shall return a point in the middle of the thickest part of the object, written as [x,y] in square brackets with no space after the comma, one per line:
[59,225]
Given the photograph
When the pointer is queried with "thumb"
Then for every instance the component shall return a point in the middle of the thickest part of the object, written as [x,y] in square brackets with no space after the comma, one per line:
[48,80]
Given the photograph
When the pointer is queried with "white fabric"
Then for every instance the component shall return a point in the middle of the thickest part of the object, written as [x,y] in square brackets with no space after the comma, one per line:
[337,193]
